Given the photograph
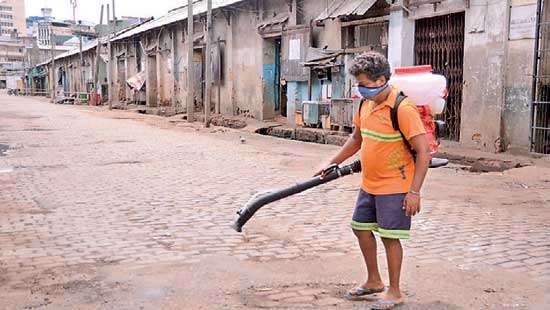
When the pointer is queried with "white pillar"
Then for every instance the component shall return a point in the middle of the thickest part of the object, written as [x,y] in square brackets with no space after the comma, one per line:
[401,40]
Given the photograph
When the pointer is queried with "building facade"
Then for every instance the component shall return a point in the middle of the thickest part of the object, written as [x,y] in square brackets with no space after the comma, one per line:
[12,47]
[269,56]
[12,17]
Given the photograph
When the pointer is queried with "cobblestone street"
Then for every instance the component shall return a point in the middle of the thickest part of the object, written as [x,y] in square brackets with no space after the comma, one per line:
[120,210]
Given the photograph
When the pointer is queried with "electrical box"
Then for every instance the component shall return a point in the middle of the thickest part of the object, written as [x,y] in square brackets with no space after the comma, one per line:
[312,112]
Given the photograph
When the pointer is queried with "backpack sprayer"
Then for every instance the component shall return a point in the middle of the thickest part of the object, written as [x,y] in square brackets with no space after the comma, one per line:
[422,86]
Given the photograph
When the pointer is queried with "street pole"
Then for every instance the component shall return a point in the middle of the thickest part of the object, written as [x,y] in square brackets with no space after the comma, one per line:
[208,66]
[109,62]
[219,77]
[98,58]
[81,60]
[114,12]
[190,96]
[53,81]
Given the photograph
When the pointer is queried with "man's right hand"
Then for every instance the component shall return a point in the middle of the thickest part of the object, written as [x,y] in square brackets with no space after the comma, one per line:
[323,170]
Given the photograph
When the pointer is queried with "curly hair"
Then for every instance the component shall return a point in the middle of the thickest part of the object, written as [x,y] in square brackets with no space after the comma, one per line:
[372,64]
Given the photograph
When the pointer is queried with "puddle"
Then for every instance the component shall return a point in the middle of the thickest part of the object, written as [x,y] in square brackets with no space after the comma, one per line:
[156,293]
[6,170]
[39,129]
[4,149]
[129,162]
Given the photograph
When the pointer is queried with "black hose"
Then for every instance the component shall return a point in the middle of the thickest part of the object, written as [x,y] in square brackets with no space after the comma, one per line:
[261,200]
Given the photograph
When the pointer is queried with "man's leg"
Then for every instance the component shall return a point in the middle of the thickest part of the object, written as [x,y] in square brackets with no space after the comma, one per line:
[394,255]
[367,243]
[363,224]
[394,225]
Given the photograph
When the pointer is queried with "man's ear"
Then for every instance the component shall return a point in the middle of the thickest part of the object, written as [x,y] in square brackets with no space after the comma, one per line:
[382,81]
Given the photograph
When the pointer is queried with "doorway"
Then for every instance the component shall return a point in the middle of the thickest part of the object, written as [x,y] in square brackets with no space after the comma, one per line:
[121,79]
[199,84]
[271,74]
[151,83]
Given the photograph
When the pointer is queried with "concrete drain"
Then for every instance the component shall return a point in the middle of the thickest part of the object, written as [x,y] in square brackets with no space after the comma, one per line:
[485,165]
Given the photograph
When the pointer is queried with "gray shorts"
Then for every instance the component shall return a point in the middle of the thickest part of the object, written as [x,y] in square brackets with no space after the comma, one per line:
[383,214]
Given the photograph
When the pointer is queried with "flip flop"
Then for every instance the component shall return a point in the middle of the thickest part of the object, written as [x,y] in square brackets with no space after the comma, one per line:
[362,291]
[386,305]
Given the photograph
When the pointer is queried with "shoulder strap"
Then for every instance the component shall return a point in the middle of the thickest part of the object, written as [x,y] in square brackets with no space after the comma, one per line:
[361,104]
[395,121]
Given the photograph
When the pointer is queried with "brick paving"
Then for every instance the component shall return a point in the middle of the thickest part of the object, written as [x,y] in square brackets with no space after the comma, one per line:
[77,187]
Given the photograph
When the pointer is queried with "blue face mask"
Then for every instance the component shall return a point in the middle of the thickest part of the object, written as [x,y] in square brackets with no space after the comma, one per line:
[371,92]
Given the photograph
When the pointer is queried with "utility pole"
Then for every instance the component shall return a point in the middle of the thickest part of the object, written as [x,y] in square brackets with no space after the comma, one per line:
[109,60]
[98,57]
[114,12]
[73,5]
[82,82]
[190,95]
[219,77]
[208,86]
[53,81]
[79,32]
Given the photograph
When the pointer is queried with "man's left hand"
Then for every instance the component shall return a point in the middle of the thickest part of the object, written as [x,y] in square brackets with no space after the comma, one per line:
[411,204]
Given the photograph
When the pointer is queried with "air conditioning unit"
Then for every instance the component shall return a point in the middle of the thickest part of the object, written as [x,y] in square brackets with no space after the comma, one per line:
[312,112]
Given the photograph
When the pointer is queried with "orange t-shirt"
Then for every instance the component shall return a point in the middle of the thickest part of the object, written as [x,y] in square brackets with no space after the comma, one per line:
[388,165]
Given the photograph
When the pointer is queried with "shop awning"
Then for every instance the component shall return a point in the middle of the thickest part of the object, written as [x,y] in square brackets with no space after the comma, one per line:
[340,8]
[321,58]
[277,20]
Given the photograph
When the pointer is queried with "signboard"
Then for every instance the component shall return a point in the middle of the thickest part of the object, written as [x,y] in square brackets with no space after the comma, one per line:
[294,49]
[522,22]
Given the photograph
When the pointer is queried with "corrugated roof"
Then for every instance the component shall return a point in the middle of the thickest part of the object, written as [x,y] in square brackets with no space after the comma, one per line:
[85,47]
[173,16]
[339,8]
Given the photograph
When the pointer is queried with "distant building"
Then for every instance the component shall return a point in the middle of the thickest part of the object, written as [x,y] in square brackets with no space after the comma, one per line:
[41,30]
[12,17]
[12,27]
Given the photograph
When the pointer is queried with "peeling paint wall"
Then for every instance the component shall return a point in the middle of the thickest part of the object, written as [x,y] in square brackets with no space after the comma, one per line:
[77,78]
[246,72]
[497,75]
[485,42]
[484,70]
[517,107]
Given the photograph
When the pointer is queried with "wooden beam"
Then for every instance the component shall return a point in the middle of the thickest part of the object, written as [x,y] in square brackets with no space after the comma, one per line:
[365,21]
[424,2]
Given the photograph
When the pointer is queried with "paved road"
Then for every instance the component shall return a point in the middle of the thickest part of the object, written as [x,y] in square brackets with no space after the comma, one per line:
[83,186]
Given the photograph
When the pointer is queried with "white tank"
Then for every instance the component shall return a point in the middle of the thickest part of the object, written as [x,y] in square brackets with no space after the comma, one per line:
[421,86]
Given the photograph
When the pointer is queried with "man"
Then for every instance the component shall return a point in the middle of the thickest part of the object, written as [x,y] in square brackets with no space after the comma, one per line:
[392,175]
